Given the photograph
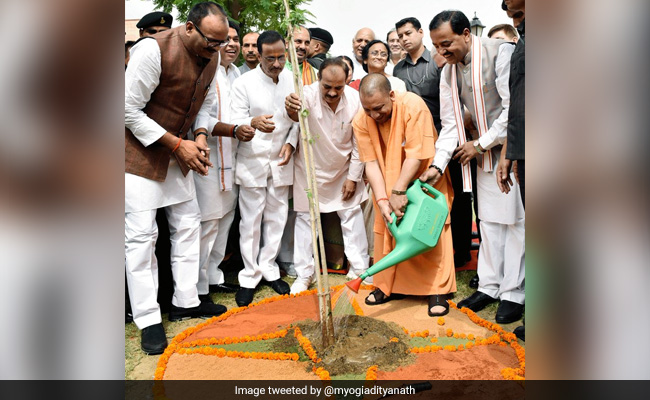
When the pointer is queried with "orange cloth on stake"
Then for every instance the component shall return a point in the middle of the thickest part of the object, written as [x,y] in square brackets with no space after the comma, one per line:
[412,135]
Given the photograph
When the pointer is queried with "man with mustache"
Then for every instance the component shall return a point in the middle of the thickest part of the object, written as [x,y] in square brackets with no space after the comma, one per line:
[339,173]
[216,194]
[360,40]
[249,52]
[302,40]
[476,77]
[264,167]
[168,87]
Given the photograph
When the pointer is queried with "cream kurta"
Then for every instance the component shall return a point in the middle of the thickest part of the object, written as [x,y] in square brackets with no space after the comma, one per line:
[412,135]
[493,205]
[213,201]
[255,94]
[336,157]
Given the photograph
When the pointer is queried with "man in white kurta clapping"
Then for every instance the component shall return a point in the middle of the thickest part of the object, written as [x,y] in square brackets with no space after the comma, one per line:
[339,174]
[264,167]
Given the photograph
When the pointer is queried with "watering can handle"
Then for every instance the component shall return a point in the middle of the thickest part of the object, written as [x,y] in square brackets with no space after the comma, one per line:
[430,189]
[392,226]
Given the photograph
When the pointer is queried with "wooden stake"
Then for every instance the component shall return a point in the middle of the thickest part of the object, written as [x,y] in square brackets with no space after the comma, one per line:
[324,297]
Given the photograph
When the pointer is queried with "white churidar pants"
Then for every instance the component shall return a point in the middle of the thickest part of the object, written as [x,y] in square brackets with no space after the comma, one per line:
[140,234]
[263,217]
[501,260]
[214,238]
[355,242]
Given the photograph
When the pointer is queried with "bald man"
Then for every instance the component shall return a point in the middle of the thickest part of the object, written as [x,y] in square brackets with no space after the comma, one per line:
[396,140]
[360,40]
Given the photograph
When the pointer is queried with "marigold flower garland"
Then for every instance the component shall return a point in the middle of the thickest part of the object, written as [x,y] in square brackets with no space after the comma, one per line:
[371,373]
[219,352]
[509,337]
[232,340]
[176,341]
[322,373]
[306,345]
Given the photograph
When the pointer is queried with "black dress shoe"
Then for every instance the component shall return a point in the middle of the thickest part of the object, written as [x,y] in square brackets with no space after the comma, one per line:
[209,309]
[473,283]
[244,296]
[280,286]
[153,340]
[206,309]
[224,288]
[129,317]
[509,312]
[520,333]
[477,301]
[206,298]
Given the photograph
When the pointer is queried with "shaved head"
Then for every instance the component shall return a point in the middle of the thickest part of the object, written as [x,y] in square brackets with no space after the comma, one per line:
[373,83]
[376,97]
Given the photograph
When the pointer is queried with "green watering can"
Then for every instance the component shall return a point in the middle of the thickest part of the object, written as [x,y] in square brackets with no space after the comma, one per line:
[417,232]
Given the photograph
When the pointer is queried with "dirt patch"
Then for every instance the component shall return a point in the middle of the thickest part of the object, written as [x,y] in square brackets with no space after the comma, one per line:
[411,313]
[199,366]
[477,363]
[360,343]
[265,318]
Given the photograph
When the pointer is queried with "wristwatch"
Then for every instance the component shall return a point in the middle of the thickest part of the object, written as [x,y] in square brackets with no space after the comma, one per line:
[478,147]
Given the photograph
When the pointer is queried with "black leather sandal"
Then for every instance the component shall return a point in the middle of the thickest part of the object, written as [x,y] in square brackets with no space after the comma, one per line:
[438,300]
[381,298]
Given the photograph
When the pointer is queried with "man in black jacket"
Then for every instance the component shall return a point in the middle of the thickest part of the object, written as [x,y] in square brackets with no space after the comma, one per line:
[516,149]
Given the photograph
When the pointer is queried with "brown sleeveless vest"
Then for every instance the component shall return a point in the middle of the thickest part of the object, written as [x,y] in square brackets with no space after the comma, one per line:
[174,104]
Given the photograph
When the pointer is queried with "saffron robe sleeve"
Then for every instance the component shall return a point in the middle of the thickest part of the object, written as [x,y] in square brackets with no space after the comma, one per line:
[412,135]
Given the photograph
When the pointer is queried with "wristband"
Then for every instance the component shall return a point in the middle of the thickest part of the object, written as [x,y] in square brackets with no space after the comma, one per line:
[177,145]
[234,131]
[437,168]
[202,133]
[399,192]
[383,198]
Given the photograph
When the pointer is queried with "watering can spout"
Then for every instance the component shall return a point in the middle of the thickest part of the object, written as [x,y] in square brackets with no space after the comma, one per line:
[354,285]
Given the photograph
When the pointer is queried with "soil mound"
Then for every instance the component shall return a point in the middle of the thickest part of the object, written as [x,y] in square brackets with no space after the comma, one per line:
[360,343]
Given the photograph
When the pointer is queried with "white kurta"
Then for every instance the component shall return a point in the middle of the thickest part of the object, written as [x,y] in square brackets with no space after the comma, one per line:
[213,201]
[493,205]
[254,94]
[336,157]
[358,73]
[141,79]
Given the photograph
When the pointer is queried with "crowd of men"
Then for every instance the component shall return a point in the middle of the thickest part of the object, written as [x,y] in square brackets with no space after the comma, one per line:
[207,140]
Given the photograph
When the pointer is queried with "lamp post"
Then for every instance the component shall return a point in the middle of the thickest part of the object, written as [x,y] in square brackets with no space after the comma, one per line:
[476,27]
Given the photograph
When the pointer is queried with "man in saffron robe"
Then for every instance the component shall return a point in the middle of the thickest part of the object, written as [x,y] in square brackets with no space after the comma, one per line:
[396,136]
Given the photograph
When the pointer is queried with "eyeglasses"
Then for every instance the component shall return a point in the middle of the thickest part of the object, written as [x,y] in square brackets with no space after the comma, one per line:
[271,60]
[212,42]
[382,54]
